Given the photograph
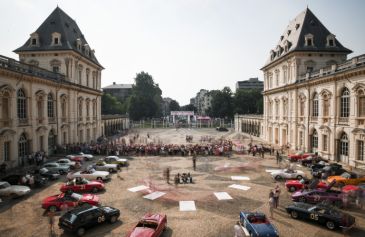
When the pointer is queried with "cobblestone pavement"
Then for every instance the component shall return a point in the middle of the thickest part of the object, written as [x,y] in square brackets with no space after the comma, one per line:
[24,216]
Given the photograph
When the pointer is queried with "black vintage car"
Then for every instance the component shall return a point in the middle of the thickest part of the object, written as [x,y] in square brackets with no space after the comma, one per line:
[44,172]
[312,160]
[328,170]
[222,129]
[87,216]
[326,215]
[16,179]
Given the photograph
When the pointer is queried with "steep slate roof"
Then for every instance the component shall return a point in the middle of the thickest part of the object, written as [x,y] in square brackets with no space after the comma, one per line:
[119,86]
[59,22]
[306,23]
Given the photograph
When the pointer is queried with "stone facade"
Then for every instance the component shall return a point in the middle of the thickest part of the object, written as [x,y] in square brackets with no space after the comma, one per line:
[51,96]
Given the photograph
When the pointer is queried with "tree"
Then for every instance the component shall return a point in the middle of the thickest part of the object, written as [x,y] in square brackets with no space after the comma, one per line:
[145,100]
[174,106]
[248,101]
[111,105]
[188,107]
[222,103]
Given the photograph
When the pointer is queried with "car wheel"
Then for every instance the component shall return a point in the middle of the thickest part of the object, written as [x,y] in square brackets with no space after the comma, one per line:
[80,231]
[61,172]
[294,214]
[278,177]
[111,170]
[52,209]
[330,225]
[113,219]
[292,189]
[299,177]
[99,178]
[95,190]
[302,199]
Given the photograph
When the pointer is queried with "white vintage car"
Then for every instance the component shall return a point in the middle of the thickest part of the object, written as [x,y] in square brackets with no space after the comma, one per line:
[13,190]
[91,174]
[66,162]
[288,174]
[86,156]
[103,166]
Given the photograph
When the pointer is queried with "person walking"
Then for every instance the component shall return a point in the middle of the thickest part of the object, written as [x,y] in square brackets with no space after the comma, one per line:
[276,196]
[168,175]
[277,157]
[238,232]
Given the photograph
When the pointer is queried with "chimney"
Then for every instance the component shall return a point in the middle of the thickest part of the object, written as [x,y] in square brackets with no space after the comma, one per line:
[113,83]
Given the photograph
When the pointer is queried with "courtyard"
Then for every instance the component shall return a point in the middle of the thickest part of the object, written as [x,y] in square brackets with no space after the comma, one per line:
[213,174]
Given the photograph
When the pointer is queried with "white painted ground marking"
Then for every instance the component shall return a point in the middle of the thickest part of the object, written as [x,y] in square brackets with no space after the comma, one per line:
[240,178]
[138,188]
[246,231]
[154,195]
[187,206]
[222,196]
[241,187]
[270,170]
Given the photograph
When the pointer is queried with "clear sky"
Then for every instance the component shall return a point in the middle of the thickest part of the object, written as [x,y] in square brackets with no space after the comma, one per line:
[186,45]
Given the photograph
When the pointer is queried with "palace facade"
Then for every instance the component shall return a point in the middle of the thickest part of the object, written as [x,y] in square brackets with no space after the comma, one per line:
[52,95]
[314,97]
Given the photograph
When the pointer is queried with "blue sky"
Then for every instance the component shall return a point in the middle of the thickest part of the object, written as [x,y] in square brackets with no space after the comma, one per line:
[186,45]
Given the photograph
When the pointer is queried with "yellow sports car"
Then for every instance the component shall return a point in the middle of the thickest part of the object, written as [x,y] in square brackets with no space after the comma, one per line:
[347,178]
[116,160]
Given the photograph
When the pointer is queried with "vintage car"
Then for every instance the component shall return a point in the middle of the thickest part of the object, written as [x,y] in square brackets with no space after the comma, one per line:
[86,156]
[54,203]
[221,129]
[257,224]
[17,179]
[288,174]
[312,160]
[44,172]
[318,196]
[299,156]
[76,158]
[84,217]
[103,166]
[66,161]
[91,174]
[116,160]
[82,185]
[53,166]
[151,225]
[327,170]
[346,178]
[326,215]
[13,191]
[294,185]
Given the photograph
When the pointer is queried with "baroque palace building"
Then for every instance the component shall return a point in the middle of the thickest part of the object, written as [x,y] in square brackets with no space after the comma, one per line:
[314,97]
[52,95]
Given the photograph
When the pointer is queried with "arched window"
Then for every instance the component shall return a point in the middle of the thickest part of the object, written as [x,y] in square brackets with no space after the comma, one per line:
[315,105]
[87,108]
[301,106]
[22,148]
[326,105]
[315,140]
[21,104]
[361,103]
[63,107]
[5,109]
[345,103]
[40,108]
[344,145]
[50,106]
[51,142]
[80,109]
[94,109]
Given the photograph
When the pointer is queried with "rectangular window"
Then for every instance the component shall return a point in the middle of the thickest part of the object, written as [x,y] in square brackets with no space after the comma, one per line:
[41,143]
[309,42]
[326,106]
[362,106]
[325,143]
[300,139]
[34,41]
[301,108]
[6,151]
[309,69]
[55,40]
[315,108]
[360,150]
[330,42]
[56,69]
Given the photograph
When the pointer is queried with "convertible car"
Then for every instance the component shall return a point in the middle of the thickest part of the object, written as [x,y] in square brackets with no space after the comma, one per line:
[54,203]
[151,225]
[294,185]
[299,156]
[318,196]
[257,224]
[347,178]
[287,174]
[326,215]
[82,185]
[92,174]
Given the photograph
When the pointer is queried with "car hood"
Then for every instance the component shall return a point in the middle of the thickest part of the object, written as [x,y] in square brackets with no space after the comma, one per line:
[20,188]
[277,172]
[292,182]
[103,173]
[265,229]
[337,178]
[50,199]
[142,232]
[90,198]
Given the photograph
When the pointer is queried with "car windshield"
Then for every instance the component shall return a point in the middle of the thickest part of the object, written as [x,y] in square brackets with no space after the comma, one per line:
[346,175]
[147,224]
[4,185]
[69,217]
[76,196]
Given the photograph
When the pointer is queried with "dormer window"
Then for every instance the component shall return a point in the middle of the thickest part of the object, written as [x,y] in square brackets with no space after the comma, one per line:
[272,54]
[78,44]
[287,45]
[34,40]
[331,41]
[56,39]
[297,26]
[309,40]
[87,49]
[289,31]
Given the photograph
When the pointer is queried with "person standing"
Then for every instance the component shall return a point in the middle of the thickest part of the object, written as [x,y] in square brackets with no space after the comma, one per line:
[238,232]
[194,162]
[168,175]
[271,205]
[277,157]
[276,196]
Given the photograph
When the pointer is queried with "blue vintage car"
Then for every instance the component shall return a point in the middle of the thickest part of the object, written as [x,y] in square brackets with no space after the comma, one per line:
[257,224]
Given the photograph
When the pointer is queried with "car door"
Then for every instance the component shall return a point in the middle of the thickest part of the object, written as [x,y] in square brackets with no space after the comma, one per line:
[99,216]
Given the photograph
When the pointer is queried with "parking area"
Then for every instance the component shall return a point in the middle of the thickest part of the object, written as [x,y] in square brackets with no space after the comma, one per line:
[221,188]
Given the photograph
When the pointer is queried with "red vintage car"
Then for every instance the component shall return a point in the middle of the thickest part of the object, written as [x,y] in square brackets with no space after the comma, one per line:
[151,225]
[82,185]
[54,203]
[299,156]
[76,158]
[294,185]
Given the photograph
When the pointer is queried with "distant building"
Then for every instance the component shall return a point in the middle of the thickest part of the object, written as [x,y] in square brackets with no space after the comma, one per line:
[121,91]
[203,101]
[192,101]
[252,83]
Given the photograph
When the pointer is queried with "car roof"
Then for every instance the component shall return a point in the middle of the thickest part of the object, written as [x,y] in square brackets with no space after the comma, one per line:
[3,182]
[82,209]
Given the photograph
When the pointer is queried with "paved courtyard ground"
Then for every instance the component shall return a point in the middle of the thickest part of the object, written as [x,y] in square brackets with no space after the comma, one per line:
[212,218]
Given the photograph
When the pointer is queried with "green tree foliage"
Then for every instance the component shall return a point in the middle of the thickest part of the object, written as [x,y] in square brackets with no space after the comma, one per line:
[188,107]
[248,101]
[222,103]
[145,100]
[111,105]
[174,106]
